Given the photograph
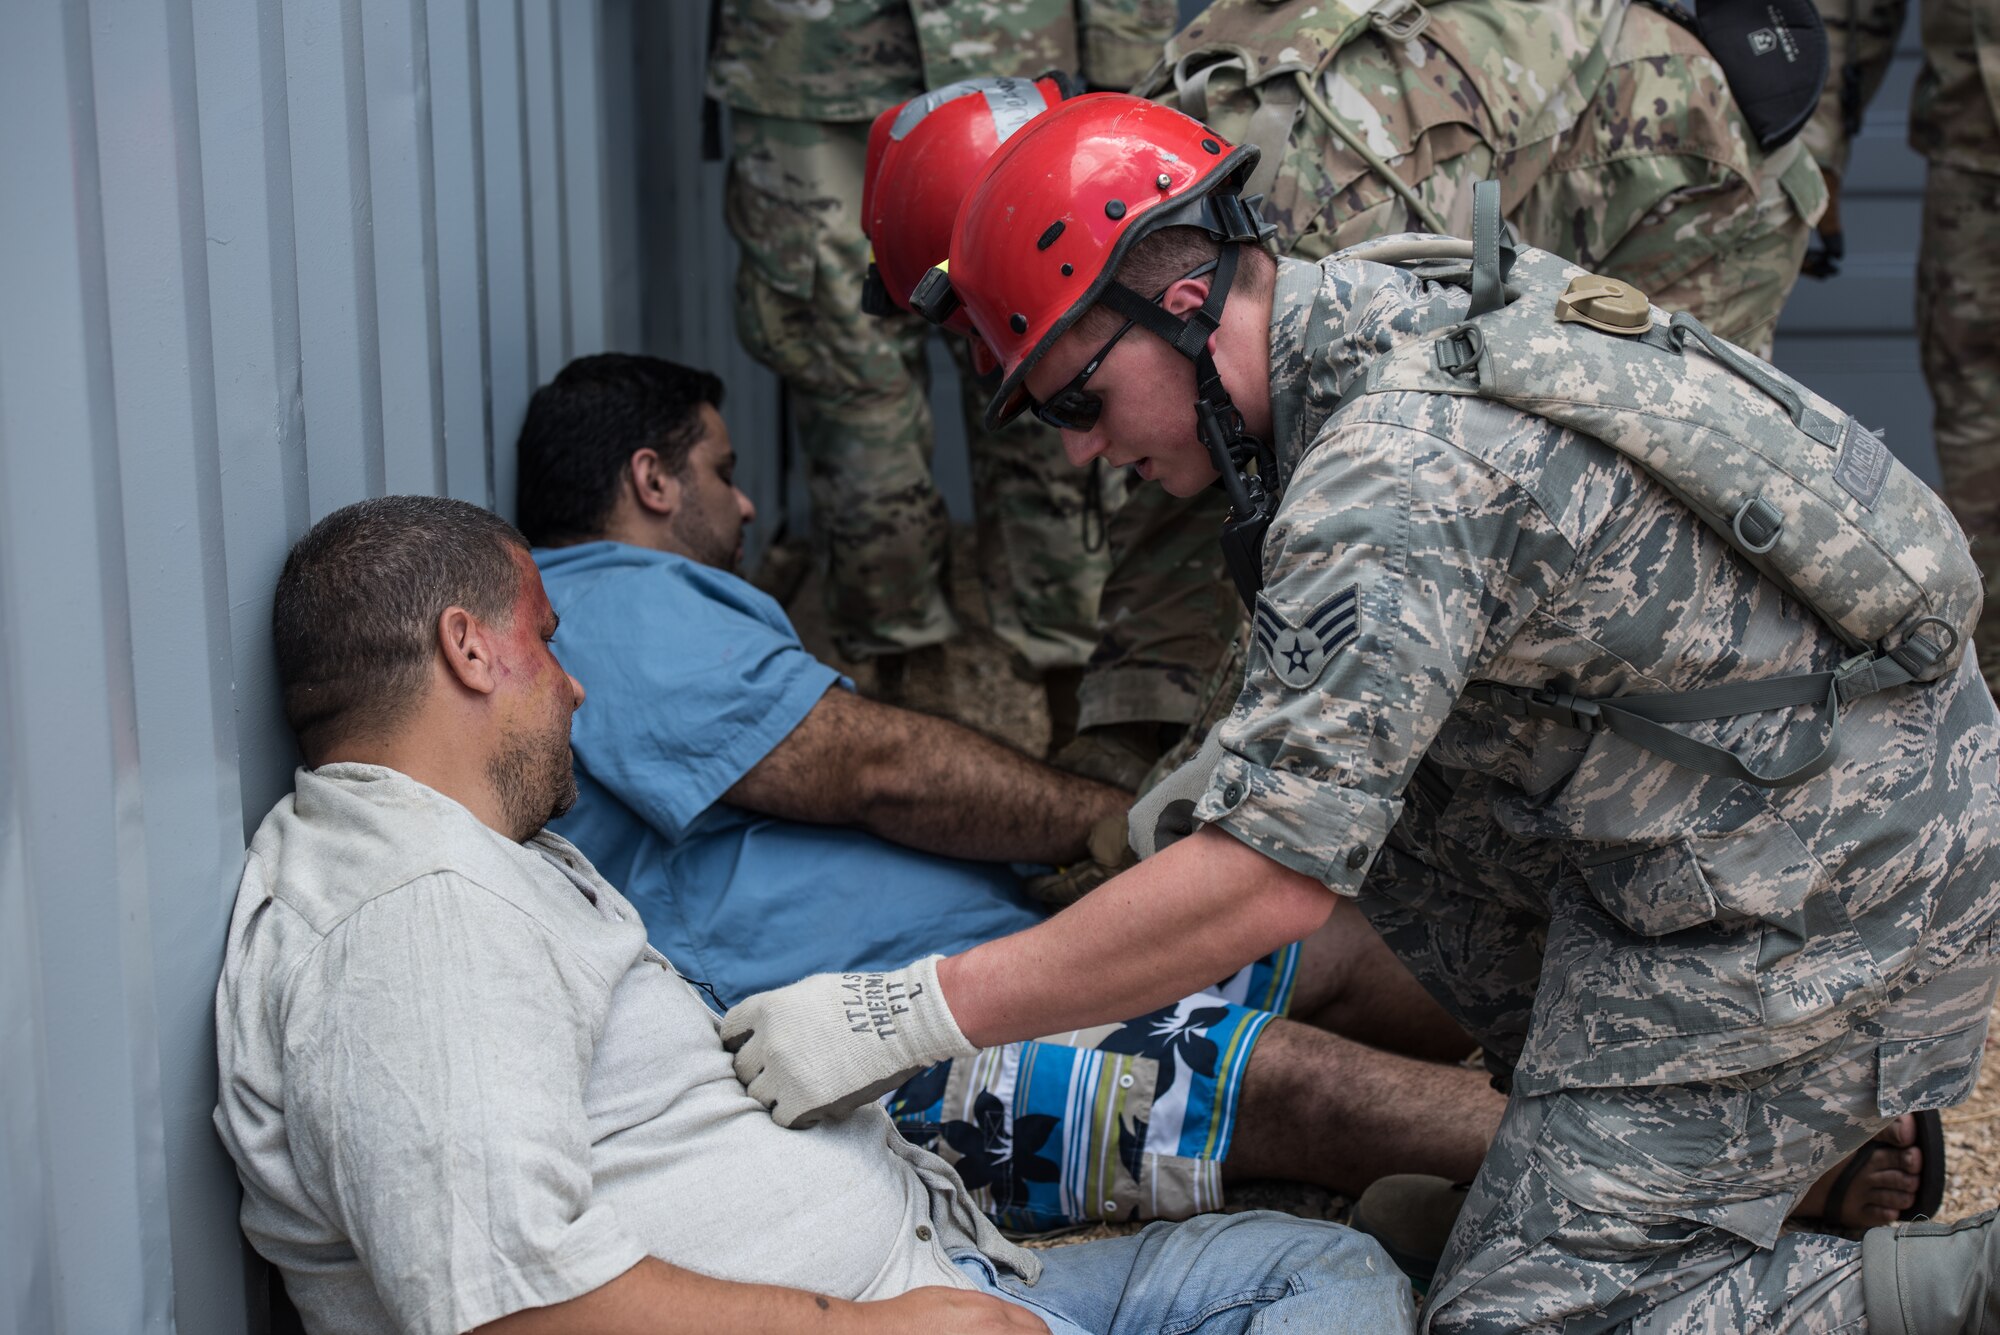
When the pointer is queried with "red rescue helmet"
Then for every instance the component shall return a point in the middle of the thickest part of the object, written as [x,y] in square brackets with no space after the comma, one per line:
[1057,210]
[923,157]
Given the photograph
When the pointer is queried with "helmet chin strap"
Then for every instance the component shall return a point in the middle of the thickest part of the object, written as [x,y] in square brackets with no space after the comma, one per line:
[1247,466]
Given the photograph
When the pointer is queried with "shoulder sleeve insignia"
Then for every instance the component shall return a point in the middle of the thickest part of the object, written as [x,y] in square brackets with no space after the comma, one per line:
[1297,653]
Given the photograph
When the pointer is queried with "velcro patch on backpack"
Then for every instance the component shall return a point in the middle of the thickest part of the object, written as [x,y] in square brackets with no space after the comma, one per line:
[1299,651]
[1863,465]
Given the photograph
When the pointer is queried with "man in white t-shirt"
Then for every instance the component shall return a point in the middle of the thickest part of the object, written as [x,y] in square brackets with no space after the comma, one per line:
[463,1092]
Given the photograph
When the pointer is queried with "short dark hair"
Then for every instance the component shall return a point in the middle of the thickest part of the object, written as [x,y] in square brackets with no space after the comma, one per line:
[1157,261]
[583,428]
[356,614]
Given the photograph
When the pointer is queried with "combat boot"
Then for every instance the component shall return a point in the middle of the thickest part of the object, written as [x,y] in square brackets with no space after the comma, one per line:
[1411,1215]
[1933,1279]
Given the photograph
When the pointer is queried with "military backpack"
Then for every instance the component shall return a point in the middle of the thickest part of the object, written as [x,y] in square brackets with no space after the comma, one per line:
[1798,487]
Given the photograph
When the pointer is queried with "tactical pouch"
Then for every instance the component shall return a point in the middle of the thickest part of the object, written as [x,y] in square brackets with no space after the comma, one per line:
[1774,55]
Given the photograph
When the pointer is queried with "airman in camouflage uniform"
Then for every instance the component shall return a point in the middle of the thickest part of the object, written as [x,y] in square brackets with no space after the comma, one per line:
[1702,993]
[1699,993]
[1618,146]
[803,84]
[1955,123]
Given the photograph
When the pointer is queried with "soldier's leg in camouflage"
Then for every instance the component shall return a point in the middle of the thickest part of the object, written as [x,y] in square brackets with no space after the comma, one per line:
[1658,1209]
[1131,756]
[1628,1210]
[1471,927]
[1166,620]
[1958,327]
[1043,551]
[857,383]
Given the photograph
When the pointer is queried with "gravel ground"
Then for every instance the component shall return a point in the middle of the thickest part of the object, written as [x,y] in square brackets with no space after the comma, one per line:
[1972,1146]
[973,682]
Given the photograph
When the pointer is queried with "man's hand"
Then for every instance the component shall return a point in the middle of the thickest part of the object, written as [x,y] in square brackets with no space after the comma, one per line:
[953,1312]
[1109,855]
[827,1044]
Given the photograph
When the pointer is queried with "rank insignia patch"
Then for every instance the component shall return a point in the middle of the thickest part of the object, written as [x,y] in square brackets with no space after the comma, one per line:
[1298,653]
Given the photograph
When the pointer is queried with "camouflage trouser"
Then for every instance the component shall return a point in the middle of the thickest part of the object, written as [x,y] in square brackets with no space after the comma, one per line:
[860,387]
[1958,324]
[1654,209]
[1168,613]
[1656,1208]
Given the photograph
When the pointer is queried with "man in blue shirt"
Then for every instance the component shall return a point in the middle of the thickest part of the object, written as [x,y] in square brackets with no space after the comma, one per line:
[770,823]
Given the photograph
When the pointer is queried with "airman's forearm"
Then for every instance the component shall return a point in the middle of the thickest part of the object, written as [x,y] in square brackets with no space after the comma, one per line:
[1176,923]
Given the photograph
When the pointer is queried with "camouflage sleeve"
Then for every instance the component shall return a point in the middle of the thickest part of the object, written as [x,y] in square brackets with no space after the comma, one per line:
[1397,568]
[1122,39]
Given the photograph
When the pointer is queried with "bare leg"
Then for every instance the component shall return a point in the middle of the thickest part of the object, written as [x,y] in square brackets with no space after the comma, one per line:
[1350,983]
[1323,1109]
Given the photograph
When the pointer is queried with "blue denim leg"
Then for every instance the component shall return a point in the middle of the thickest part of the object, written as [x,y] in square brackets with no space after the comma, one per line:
[1241,1274]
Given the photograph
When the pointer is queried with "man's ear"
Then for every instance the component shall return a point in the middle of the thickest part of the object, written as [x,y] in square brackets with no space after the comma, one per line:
[1186,295]
[655,487]
[467,648]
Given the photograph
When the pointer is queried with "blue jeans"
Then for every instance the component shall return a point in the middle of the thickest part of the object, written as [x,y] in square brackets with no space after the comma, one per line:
[1237,1274]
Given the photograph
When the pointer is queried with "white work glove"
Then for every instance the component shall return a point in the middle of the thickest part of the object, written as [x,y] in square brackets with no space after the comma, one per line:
[827,1044]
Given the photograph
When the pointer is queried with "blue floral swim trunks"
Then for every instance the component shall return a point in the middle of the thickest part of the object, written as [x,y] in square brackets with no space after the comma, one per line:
[1121,1121]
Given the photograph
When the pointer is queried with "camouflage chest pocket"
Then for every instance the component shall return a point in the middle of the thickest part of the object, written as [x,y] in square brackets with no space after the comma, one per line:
[1721,932]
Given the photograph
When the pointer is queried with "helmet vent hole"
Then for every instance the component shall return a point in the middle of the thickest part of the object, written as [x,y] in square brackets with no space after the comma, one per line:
[1209,145]
[1068,269]
[1018,322]
[1048,237]
[1115,209]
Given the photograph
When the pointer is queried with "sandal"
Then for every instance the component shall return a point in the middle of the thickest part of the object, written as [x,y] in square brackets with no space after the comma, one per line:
[1930,1176]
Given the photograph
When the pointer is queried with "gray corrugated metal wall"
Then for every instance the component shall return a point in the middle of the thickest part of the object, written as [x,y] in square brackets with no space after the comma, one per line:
[258,262]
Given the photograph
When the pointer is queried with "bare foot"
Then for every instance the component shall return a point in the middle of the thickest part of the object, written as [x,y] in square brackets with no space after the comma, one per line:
[1884,1188]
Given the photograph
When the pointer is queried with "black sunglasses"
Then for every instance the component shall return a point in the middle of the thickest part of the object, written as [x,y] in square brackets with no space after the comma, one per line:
[1074,408]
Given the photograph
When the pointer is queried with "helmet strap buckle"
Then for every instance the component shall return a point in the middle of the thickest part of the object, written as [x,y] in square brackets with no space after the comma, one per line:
[1246,466]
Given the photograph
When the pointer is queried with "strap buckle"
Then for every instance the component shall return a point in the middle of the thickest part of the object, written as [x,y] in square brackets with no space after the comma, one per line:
[1558,707]
[1918,655]
[1399,20]
[933,297]
[1458,351]
[1563,709]
[1231,217]
[1857,676]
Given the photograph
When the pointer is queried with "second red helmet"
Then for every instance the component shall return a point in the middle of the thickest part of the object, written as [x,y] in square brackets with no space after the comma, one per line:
[923,157]
[1059,206]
